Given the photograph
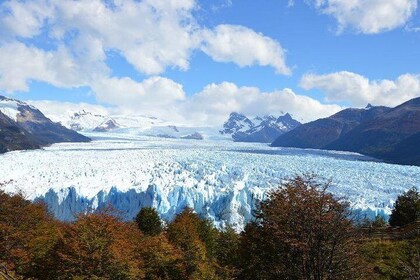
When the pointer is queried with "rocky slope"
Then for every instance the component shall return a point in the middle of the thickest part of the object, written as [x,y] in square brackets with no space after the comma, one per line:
[386,133]
[24,127]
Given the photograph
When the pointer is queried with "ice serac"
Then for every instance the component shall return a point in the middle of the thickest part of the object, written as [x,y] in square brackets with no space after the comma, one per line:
[221,180]
[259,129]
[232,208]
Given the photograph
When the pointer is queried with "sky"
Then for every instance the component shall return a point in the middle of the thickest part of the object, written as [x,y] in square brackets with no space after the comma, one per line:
[196,61]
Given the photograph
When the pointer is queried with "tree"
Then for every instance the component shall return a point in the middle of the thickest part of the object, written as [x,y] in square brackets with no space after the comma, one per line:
[301,232]
[100,246]
[28,234]
[191,234]
[406,208]
[148,221]
[162,260]
[227,252]
[378,222]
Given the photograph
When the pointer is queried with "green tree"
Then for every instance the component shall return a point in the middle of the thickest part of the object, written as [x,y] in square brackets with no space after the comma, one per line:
[378,222]
[149,222]
[406,209]
[227,252]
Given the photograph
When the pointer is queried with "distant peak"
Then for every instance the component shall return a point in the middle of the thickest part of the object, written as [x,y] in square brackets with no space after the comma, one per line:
[368,106]
[236,114]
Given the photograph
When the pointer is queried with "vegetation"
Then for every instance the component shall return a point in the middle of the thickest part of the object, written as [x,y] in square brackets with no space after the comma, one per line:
[406,209]
[300,231]
[149,222]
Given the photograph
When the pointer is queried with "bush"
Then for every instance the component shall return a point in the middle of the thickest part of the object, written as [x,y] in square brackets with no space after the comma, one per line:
[406,209]
[148,221]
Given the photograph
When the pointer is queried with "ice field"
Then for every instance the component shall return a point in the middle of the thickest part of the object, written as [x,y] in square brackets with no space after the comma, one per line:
[221,180]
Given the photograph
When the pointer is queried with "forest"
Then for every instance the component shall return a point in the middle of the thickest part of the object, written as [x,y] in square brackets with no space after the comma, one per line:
[301,231]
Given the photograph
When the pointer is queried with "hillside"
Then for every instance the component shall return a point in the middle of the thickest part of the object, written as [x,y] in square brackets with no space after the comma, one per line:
[24,127]
[390,134]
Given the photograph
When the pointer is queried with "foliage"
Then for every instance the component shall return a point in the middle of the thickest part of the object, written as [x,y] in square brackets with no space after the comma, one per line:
[100,246]
[162,260]
[378,222]
[148,221]
[391,260]
[188,233]
[301,232]
[27,236]
[406,209]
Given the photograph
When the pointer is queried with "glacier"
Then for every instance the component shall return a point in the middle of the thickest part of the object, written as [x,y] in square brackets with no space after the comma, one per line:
[220,179]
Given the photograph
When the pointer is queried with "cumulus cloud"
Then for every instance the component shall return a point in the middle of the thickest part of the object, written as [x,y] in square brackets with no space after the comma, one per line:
[59,111]
[209,107]
[369,17]
[151,35]
[20,64]
[157,96]
[216,101]
[359,91]
[232,43]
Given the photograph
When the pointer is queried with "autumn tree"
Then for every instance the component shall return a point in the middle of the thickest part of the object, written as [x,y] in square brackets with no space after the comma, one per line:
[301,232]
[227,252]
[406,208]
[100,246]
[161,259]
[188,233]
[27,237]
[148,221]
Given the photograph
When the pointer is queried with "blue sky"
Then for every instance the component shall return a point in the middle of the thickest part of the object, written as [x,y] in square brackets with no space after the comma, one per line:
[207,58]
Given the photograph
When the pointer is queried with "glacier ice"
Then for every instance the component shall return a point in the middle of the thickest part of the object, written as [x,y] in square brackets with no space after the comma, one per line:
[222,180]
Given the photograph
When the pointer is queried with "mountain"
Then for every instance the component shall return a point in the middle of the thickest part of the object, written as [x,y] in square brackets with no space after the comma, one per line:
[83,120]
[390,134]
[320,133]
[88,122]
[24,127]
[106,126]
[236,123]
[259,129]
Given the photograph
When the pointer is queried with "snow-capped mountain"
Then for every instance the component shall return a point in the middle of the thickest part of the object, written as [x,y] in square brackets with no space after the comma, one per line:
[23,126]
[87,122]
[83,120]
[107,126]
[260,129]
[236,123]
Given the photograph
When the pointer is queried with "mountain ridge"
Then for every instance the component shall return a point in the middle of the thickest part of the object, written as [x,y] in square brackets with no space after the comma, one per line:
[374,131]
[23,126]
[260,129]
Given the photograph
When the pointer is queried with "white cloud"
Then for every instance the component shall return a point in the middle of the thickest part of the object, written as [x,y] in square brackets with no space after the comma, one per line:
[151,35]
[245,47]
[359,91]
[368,16]
[60,111]
[20,64]
[157,96]
[209,107]
[216,101]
